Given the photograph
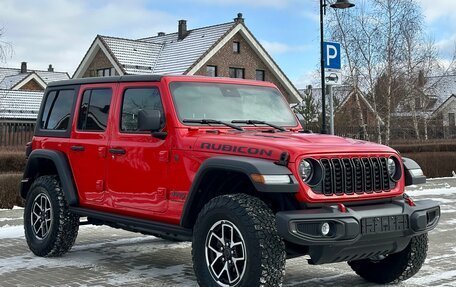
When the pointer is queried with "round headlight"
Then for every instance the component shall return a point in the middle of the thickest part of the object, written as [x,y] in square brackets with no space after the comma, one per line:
[391,167]
[305,170]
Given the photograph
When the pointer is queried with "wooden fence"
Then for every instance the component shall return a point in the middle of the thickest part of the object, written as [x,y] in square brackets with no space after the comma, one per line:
[16,134]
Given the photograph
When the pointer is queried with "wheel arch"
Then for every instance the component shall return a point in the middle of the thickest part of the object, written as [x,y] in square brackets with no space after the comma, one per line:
[46,162]
[231,174]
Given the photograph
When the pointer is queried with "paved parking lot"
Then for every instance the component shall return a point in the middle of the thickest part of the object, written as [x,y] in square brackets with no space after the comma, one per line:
[104,256]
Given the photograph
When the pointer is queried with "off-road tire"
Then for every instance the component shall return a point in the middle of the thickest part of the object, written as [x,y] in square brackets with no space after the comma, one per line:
[395,267]
[64,225]
[265,250]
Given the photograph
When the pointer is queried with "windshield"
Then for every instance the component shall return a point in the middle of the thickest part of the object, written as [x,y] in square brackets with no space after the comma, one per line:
[227,102]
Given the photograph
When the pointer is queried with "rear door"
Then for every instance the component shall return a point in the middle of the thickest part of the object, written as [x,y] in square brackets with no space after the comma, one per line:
[138,162]
[89,140]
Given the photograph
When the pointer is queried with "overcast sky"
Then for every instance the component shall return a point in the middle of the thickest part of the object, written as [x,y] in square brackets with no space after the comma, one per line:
[59,32]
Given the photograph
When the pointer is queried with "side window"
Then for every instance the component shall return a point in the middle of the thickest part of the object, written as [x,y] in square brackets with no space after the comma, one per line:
[134,100]
[94,110]
[57,110]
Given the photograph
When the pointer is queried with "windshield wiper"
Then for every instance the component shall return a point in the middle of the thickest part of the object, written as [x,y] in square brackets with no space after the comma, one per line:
[256,122]
[209,122]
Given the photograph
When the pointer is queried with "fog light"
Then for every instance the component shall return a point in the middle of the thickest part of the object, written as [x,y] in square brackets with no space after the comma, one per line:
[325,229]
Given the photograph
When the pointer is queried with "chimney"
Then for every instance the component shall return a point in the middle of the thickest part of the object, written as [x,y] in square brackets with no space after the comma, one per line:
[23,67]
[161,34]
[239,19]
[182,30]
[50,68]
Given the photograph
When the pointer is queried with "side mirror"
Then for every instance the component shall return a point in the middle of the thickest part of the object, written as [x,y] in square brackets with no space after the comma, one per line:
[149,120]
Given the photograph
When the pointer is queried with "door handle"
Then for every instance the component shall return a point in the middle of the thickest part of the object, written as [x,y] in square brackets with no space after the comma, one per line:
[117,151]
[77,148]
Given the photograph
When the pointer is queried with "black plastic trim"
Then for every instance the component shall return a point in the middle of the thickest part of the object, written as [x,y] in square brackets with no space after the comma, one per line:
[63,169]
[102,80]
[243,165]
[351,239]
[136,224]
[410,179]
[286,220]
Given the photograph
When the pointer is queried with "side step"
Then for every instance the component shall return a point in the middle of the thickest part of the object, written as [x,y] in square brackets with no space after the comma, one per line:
[136,224]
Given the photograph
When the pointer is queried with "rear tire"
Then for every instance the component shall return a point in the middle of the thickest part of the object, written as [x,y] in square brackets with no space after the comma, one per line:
[395,267]
[236,234]
[50,228]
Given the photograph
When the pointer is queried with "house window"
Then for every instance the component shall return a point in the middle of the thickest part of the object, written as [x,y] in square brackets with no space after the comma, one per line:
[105,72]
[451,120]
[236,47]
[259,75]
[211,71]
[237,73]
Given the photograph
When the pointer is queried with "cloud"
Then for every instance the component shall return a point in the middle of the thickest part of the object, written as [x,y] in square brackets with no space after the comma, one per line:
[59,32]
[257,3]
[282,48]
[309,77]
[436,10]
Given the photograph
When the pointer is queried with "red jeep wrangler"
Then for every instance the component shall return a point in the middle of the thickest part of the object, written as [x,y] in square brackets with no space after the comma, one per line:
[223,163]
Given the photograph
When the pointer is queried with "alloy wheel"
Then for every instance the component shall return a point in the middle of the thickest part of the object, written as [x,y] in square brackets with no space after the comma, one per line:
[226,256]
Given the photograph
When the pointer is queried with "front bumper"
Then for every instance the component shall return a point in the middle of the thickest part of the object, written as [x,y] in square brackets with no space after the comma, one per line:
[360,232]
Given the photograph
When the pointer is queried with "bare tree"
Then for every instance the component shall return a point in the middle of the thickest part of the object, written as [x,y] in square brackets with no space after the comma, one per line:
[385,49]
[5,48]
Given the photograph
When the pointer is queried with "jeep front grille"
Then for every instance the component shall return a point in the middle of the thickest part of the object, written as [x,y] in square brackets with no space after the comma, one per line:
[353,175]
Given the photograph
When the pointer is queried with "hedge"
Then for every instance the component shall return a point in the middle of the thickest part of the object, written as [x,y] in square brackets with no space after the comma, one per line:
[435,164]
[9,190]
[12,161]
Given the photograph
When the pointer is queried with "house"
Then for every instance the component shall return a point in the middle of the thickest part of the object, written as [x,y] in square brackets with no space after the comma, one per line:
[222,50]
[21,91]
[434,107]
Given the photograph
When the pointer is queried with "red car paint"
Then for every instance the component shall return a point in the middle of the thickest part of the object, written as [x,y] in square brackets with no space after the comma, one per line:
[152,178]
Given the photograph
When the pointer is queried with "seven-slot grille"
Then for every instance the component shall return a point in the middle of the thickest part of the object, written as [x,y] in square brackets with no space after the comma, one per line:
[354,175]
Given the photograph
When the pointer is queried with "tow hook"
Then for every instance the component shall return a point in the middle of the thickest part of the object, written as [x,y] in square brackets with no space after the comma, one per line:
[409,200]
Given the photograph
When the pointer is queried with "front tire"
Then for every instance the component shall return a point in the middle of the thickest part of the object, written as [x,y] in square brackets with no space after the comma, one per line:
[395,267]
[235,243]
[50,228]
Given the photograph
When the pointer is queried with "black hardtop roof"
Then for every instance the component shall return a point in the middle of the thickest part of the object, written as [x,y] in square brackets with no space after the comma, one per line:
[117,79]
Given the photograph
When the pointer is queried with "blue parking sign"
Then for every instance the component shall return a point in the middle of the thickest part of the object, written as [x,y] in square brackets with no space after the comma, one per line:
[331,55]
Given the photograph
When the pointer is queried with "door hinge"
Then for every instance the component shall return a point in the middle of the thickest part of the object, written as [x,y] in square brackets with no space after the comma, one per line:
[99,185]
[163,156]
[161,193]
[102,152]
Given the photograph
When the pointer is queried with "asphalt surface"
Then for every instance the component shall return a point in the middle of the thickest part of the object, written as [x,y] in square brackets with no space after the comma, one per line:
[103,256]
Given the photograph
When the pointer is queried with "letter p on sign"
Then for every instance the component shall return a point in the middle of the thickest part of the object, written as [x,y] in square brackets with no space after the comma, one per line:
[331,55]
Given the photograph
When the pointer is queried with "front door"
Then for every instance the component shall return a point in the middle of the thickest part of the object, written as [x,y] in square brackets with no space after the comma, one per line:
[137,163]
[89,140]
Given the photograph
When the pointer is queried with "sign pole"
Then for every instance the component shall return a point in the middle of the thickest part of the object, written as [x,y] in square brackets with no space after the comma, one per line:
[331,108]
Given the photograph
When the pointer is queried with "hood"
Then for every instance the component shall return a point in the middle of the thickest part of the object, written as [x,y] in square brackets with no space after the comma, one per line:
[272,145]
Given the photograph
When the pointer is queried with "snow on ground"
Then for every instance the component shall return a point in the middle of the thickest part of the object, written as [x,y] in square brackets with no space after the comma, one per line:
[103,256]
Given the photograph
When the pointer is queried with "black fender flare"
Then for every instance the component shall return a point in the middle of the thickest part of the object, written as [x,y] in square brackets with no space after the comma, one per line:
[239,164]
[63,171]
[412,172]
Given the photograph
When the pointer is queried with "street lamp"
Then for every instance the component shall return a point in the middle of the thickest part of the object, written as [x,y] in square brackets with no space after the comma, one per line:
[340,4]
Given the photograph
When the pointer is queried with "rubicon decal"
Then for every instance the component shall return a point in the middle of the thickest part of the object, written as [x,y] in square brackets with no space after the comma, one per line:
[237,149]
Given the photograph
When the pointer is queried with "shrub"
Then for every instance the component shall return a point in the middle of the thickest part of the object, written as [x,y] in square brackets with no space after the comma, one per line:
[12,161]
[9,190]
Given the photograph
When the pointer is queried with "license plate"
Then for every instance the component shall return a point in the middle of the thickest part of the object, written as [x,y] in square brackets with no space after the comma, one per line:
[383,224]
